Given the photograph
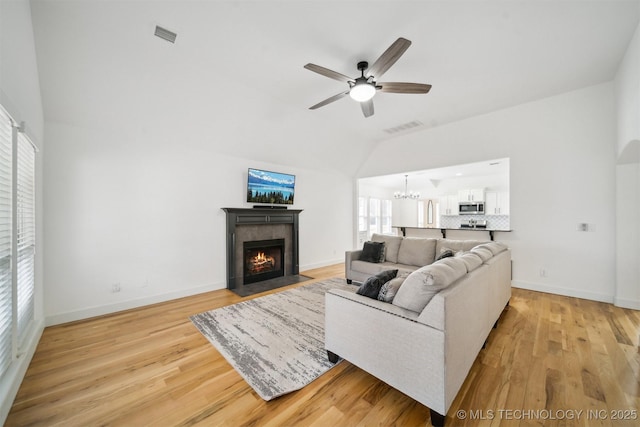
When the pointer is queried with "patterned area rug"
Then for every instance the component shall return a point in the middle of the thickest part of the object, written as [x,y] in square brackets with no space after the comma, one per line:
[275,342]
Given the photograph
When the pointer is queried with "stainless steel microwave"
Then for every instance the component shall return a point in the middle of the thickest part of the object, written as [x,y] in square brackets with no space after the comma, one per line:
[471,208]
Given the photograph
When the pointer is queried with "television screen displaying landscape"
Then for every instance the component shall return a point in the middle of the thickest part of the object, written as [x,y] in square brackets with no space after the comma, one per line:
[270,187]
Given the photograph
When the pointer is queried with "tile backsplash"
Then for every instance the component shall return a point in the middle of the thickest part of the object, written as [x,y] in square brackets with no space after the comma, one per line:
[495,222]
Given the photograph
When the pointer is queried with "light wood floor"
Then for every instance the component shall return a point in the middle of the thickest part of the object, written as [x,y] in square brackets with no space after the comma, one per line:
[549,358]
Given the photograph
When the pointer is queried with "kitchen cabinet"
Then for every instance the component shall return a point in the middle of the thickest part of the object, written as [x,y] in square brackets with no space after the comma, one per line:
[471,195]
[497,203]
[449,205]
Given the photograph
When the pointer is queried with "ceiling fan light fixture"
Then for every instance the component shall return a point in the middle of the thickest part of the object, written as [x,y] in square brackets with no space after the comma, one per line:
[362,91]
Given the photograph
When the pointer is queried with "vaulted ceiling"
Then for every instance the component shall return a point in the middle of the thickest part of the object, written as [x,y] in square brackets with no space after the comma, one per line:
[234,79]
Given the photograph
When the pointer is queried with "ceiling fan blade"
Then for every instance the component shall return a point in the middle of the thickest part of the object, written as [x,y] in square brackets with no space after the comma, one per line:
[395,87]
[367,108]
[388,58]
[328,73]
[329,100]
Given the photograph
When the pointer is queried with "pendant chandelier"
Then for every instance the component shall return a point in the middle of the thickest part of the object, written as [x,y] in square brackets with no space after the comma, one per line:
[406,194]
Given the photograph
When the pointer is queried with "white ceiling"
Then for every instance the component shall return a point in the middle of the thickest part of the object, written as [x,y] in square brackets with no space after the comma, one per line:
[234,79]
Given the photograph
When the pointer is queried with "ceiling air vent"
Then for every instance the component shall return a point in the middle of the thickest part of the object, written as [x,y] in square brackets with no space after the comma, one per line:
[403,127]
[165,34]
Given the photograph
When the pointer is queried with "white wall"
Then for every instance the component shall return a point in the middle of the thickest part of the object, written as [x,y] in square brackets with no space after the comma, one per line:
[20,95]
[628,236]
[146,214]
[627,84]
[562,172]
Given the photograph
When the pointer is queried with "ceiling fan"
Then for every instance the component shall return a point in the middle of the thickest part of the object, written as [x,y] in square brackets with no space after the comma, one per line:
[363,88]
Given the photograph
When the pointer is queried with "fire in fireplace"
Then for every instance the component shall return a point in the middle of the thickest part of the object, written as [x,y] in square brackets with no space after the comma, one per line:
[263,260]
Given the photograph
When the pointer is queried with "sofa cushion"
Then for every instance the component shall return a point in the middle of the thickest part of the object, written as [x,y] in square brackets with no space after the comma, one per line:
[494,247]
[389,290]
[482,252]
[456,264]
[372,252]
[371,287]
[456,245]
[421,285]
[391,243]
[417,251]
[471,260]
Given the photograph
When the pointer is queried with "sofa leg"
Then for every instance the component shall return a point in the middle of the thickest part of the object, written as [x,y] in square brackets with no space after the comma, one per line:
[437,420]
[333,358]
[349,281]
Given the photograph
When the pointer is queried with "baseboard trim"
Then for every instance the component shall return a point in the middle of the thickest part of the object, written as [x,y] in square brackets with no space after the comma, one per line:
[627,303]
[72,316]
[306,267]
[567,292]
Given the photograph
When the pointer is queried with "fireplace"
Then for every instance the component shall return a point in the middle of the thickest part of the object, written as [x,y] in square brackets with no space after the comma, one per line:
[263,260]
[268,267]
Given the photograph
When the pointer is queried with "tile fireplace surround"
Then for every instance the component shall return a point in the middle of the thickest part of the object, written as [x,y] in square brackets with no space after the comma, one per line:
[245,225]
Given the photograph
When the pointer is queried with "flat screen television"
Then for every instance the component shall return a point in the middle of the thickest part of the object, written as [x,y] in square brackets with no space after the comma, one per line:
[268,187]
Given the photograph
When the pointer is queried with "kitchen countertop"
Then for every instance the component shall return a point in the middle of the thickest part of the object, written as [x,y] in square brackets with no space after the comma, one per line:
[444,230]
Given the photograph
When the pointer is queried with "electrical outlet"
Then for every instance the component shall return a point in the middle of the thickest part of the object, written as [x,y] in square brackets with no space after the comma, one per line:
[583,226]
[115,287]
[543,272]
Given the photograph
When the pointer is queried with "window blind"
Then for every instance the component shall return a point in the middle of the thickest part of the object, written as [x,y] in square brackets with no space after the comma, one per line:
[6,295]
[26,227]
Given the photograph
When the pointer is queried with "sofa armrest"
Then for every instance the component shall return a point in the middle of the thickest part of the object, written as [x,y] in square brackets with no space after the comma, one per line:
[405,354]
[348,257]
[376,304]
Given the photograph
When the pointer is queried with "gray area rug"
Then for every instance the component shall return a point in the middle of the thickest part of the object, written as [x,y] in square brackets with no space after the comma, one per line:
[275,342]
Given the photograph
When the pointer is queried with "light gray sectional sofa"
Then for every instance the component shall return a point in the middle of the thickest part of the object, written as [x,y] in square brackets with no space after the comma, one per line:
[406,254]
[425,341]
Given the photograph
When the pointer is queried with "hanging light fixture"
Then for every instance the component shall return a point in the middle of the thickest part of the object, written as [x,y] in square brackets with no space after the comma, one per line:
[406,194]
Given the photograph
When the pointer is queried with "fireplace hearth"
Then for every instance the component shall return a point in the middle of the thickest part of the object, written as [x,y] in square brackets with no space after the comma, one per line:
[263,260]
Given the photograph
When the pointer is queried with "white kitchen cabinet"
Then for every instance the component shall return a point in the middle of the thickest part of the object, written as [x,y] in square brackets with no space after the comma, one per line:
[471,195]
[449,205]
[497,203]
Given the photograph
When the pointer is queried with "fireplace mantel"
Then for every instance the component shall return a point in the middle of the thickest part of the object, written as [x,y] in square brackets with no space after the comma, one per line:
[239,217]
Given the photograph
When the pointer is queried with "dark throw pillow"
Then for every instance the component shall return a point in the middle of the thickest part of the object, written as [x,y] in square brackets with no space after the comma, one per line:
[373,252]
[446,253]
[371,287]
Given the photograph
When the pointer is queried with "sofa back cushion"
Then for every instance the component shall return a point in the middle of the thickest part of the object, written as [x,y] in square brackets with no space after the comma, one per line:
[494,247]
[456,245]
[483,252]
[421,285]
[471,260]
[391,245]
[417,251]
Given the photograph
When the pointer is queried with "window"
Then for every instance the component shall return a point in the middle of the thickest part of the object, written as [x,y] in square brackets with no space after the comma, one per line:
[385,216]
[25,233]
[17,239]
[6,227]
[363,214]
[374,216]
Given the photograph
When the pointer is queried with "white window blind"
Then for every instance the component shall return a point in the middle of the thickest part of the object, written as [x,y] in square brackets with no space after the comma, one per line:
[6,226]
[17,239]
[25,231]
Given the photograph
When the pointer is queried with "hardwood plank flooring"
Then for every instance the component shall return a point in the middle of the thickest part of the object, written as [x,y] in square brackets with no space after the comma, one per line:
[549,358]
